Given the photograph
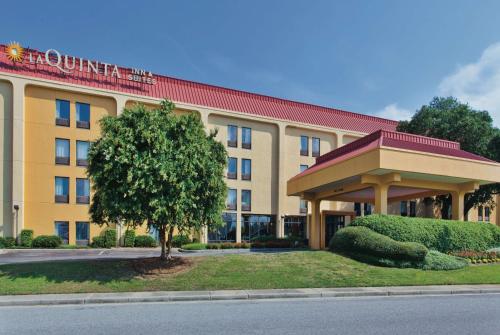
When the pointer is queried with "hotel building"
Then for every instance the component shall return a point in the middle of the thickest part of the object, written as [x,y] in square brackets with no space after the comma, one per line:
[50,106]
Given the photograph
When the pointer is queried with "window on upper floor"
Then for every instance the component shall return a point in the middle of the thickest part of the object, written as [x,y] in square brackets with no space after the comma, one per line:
[62,151]
[246,200]
[232,168]
[304,146]
[82,115]
[315,147]
[232,136]
[246,138]
[82,151]
[231,201]
[246,169]
[62,190]
[62,113]
[82,191]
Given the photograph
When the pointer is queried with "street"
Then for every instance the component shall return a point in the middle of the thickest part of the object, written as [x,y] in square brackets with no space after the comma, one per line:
[464,314]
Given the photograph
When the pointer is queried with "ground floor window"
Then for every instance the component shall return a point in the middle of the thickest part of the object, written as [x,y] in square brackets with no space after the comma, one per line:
[227,232]
[62,230]
[82,233]
[413,209]
[295,226]
[253,226]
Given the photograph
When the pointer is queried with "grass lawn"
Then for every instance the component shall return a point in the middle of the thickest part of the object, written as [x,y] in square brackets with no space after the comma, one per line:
[285,270]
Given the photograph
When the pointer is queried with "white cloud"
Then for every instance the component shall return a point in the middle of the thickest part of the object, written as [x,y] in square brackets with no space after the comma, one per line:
[477,83]
[393,112]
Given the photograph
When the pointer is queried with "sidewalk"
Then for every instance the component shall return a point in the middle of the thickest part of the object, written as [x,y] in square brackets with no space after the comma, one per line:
[169,296]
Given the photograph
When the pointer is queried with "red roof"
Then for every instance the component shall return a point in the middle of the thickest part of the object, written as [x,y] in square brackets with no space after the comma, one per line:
[189,92]
[392,139]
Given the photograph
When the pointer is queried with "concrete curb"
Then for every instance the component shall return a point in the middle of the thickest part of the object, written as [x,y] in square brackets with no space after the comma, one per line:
[170,296]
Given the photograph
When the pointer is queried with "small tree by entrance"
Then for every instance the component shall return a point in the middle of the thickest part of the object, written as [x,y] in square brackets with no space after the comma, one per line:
[156,168]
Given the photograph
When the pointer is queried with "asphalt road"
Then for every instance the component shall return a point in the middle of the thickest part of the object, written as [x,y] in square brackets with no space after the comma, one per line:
[457,315]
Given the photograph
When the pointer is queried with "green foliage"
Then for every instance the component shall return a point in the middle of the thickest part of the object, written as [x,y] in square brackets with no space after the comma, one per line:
[156,167]
[442,235]
[449,119]
[110,238]
[438,261]
[128,239]
[179,240]
[194,246]
[363,240]
[47,241]
[144,241]
[229,245]
[7,242]
[98,242]
[26,238]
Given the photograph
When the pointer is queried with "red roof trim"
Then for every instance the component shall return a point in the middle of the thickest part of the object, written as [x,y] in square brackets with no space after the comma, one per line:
[184,91]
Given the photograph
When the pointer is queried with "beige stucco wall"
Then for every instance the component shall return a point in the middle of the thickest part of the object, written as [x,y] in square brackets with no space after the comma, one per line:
[6,210]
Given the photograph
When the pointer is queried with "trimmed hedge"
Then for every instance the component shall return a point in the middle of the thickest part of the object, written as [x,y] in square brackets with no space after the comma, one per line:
[26,238]
[98,242]
[110,238]
[442,235]
[144,241]
[47,241]
[7,242]
[129,238]
[439,261]
[363,240]
[180,240]
[194,246]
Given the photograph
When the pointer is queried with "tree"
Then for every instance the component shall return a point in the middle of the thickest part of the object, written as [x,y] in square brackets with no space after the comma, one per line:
[156,168]
[449,119]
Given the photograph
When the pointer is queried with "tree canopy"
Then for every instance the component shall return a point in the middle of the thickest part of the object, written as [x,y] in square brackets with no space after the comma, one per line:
[449,119]
[153,167]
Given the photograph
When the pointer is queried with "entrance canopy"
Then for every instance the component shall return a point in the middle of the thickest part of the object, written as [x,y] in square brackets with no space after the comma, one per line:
[388,166]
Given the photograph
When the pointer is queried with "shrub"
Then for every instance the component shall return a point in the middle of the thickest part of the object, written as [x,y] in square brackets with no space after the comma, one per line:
[194,246]
[144,241]
[128,239]
[26,238]
[213,246]
[47,241]
[179,240]
[363,240]
[472,255]
[439,261]
[98,242]
[110,238]
[7,242]
[442,235]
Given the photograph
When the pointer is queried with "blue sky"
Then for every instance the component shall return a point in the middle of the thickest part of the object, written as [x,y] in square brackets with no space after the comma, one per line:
[384,58]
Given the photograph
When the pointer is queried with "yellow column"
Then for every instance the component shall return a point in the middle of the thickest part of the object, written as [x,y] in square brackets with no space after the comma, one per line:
[457,205]
[381,192]
[315,225]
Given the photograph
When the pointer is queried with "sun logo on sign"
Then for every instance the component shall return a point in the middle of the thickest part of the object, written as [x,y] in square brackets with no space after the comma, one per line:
[15,52]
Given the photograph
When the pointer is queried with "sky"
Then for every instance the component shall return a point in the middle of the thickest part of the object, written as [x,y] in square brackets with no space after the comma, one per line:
[383,58]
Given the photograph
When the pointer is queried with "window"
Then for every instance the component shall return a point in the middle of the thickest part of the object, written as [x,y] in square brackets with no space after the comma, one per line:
[232,136]
[295,226]
[62,190]
[315,147]
[62,151]
[253,226]
[480,213]
[62,230]
[304,146]
[246,169]
[62,113]
[303,203]
[368,208]
[225,233]
[246,200]
[82,150]
[82,191]
[82,115]
[357,208]
[232,168]
[246,138]
[82,233]
[413,209]
[487,214]
[404,208]
[231,201]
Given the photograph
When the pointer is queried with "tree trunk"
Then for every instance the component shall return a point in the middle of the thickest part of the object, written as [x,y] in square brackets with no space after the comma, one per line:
[169,243]
[163,255]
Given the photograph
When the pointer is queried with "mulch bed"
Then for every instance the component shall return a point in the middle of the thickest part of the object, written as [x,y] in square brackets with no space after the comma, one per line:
[148,267]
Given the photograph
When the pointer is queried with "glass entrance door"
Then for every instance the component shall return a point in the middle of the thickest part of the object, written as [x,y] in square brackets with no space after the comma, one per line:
[332,224]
